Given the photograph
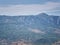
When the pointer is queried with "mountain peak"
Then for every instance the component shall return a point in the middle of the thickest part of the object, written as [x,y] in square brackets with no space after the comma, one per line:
[43,14]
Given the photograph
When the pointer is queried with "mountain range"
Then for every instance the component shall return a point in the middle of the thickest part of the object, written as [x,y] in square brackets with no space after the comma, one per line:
[33,28]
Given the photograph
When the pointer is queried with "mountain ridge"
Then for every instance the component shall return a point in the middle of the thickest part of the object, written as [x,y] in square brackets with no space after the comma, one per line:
[32,15]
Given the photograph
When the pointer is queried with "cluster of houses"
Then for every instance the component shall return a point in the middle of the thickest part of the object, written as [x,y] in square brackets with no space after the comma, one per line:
[4,42]
[20,43]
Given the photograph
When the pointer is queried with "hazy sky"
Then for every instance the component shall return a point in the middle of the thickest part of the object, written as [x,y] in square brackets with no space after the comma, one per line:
[29,7]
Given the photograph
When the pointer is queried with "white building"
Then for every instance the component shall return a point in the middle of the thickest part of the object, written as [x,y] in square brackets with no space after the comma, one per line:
[57,43]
